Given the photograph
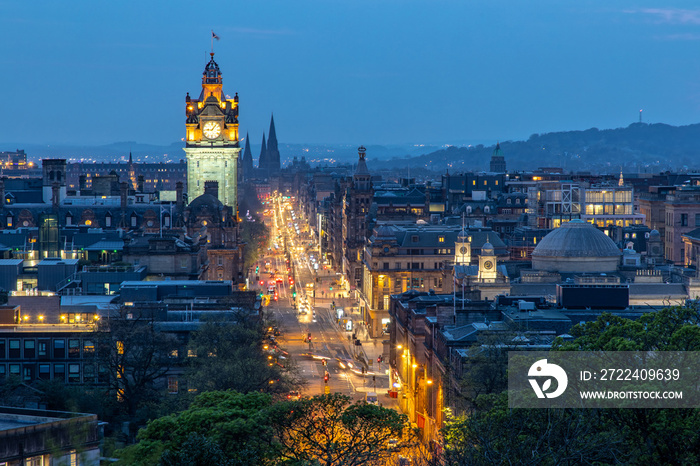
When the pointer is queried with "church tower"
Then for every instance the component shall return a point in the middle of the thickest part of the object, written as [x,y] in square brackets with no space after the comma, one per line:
[212,147]
[463,248]
[498,160]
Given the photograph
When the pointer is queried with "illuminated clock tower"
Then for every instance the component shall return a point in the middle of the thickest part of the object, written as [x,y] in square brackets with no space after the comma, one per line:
[212,139]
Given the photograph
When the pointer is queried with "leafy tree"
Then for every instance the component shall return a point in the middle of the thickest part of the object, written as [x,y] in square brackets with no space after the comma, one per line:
[227,428]
[136,356]
[329,430]
[231,355]
[495,434]
[655,436]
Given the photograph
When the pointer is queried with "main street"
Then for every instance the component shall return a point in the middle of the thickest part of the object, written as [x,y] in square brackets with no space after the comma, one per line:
[290,287]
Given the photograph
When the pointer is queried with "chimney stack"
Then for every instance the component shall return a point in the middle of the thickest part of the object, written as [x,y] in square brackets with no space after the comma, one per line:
[211,187]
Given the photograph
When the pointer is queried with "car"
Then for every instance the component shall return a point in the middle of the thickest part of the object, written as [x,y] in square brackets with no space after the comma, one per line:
[294,395]
[371,398]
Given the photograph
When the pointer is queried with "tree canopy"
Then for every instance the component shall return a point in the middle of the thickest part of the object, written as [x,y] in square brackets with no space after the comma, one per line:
[231,428]
[495,434]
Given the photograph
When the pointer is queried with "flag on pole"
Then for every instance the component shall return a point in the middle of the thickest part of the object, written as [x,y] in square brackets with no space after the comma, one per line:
[214,36]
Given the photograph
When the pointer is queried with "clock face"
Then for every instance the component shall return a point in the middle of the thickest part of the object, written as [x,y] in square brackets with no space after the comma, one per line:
[463,250]
[211,129]
[488,265]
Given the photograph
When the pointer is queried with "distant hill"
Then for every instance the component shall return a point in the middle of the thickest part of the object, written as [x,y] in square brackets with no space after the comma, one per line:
[639,147]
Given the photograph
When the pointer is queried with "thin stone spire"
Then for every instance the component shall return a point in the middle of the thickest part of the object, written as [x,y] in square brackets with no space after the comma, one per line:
[273,153]
[263,162]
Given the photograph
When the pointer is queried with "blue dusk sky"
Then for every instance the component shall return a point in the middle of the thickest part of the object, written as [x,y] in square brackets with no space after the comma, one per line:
[355,71]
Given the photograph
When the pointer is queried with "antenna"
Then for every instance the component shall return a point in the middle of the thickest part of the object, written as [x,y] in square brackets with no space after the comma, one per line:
[640,115]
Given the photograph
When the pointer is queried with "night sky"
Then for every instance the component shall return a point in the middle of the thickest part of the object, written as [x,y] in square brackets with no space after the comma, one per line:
[336,71]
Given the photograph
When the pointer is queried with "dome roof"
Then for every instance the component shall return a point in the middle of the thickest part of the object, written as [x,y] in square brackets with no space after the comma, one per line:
[576,239]
[205,201]
[654,233]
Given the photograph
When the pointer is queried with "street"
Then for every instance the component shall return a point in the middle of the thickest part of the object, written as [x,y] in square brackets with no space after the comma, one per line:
[304,302]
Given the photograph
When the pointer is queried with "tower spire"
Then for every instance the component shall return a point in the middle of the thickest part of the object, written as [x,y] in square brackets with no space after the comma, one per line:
[263,162]
[273,153]
[247,159]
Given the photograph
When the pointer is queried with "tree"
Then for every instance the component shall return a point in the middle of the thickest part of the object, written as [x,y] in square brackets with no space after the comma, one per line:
[222,428]
[654,436]
[495,434]
[329,430]
[135,356]
[230,355]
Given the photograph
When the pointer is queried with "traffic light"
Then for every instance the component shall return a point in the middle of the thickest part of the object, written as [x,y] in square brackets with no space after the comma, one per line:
[324,362]
[379,359]
[330,288]
[325,377]
[257,268]
[294,294]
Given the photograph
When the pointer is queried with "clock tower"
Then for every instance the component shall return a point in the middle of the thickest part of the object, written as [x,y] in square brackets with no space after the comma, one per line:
[463,248]
[487,263]
[211,138]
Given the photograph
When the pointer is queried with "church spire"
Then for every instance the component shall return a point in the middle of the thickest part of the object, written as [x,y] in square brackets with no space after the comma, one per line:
[263,162]
[247,159]
[273,153]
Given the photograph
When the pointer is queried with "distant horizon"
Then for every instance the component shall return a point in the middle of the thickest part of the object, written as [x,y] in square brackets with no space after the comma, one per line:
[9,146]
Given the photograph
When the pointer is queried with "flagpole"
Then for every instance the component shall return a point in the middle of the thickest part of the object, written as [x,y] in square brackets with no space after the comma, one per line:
[212,41]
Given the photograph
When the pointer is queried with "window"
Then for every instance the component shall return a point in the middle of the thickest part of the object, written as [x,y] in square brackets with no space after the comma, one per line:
[414,238]
[397,266]
[29,348]
[183,263]
[684,220]
[44,371]
[73,349]
[220,260]
[14,370]
[14,349]
[88,348]
[28,373]
[2,349]
[172,384]
[43,348]
[133,220]
[108,221]
[59,349]
[386,301]
[74,373]
[441,239]
[697,220]
[386,266]
[2,371]
[89,373]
